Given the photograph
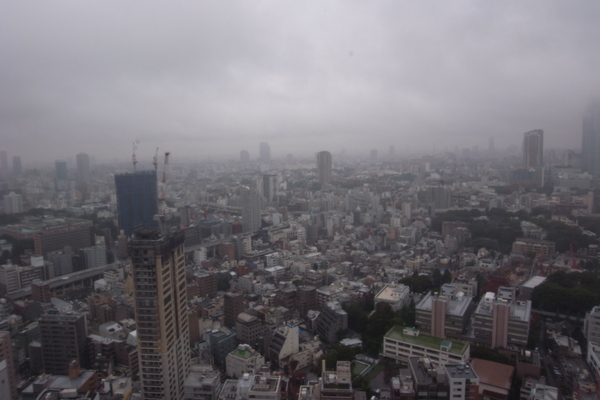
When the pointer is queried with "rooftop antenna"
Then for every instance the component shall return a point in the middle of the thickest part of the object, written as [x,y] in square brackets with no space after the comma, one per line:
[155,160]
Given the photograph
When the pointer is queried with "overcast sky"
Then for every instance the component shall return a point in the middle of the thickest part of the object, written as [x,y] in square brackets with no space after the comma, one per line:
[210,78]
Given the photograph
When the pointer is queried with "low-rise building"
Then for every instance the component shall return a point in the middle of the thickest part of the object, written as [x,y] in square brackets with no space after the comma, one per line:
[445,314]
[202,383]
[400,343]
[397,296]
[243,360]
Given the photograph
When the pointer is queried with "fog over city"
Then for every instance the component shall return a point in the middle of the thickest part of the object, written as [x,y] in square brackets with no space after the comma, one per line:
[206,79]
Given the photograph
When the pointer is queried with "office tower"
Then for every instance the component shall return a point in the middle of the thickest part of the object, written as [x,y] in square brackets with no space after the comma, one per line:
[17,167]
[63,338]
[13,203]
[83,168]
[591,139]
[269,188]
[137,200]
[3,163]
[533,149]
[158,265]
[61,170]
[373,155]
[244,156]
[232,306]
[6,356]
[250,202]
[391,152]
[264,151]
[324,167]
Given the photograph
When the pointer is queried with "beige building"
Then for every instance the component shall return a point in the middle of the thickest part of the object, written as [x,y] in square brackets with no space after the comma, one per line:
[243,360]
[158,265]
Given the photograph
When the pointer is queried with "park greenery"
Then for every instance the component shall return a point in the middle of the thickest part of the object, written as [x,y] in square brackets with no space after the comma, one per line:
[568,293]
[497,229]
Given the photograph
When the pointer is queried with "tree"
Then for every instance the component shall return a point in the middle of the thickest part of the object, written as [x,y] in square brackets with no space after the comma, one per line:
[447,277]
[436,278]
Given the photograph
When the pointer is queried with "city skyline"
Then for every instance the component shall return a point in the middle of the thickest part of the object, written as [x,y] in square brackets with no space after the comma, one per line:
[424,73]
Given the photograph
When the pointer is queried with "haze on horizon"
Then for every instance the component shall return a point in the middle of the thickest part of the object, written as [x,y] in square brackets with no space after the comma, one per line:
[208,79]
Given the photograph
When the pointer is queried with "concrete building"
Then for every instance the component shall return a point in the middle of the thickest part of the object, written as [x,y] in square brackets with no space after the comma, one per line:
[332,319]
[501,320]
[400,343]
[591,325]
[533,149]
[7,367]
[158,266]
[591,139]
[463,382]
[64,339]
[249,329]
[57,233]
[264,151]
[446,314]
[523,246]
[284,342]
[94,256]
[83,168]
[202,383]
[430,380]
[13,203]
[250,204]
[495,379]
[324,167]
[336,384]
[243,360]
[397,296]
[220,342]
[233,305]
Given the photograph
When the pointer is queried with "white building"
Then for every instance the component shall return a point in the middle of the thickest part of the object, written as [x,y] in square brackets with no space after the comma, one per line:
[591,325]
[400,343]
[13,203]
[397,296]
[202,383]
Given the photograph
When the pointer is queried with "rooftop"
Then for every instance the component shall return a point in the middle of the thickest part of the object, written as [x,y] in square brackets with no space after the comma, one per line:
[424,340]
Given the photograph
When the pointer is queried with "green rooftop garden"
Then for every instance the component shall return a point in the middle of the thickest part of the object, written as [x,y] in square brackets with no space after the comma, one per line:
[425,340]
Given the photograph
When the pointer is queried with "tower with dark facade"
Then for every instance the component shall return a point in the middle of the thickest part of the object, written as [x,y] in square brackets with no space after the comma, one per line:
[324,167]
[137,200]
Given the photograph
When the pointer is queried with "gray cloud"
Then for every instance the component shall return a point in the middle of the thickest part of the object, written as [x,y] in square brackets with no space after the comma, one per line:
[210,78]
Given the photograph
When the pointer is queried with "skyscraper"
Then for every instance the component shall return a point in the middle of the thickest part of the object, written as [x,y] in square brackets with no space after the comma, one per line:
[17,167]
[324,166]
[250,202]
[137,200]
[3,163]
[591,139]
[61,170]
[158,265]
[244,156]
[83,168]
[63,338]
[269,188]
[533,149]
[264,152]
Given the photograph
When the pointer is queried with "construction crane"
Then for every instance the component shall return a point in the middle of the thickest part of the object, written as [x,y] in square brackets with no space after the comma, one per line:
[155,161]
[133,158]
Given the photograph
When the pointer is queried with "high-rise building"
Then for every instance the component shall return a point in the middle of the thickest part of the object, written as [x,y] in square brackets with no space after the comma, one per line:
[324,166]
[264,151]
[6,355]
[391,152]
[63,338]
[250,202]
[269,187]
[233,305]
[13,203]
[158,265]
[137,200]
[3,163]
[533,149]
[244,156]
[591,139]
[61,170]
[83,168]
[17,167]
